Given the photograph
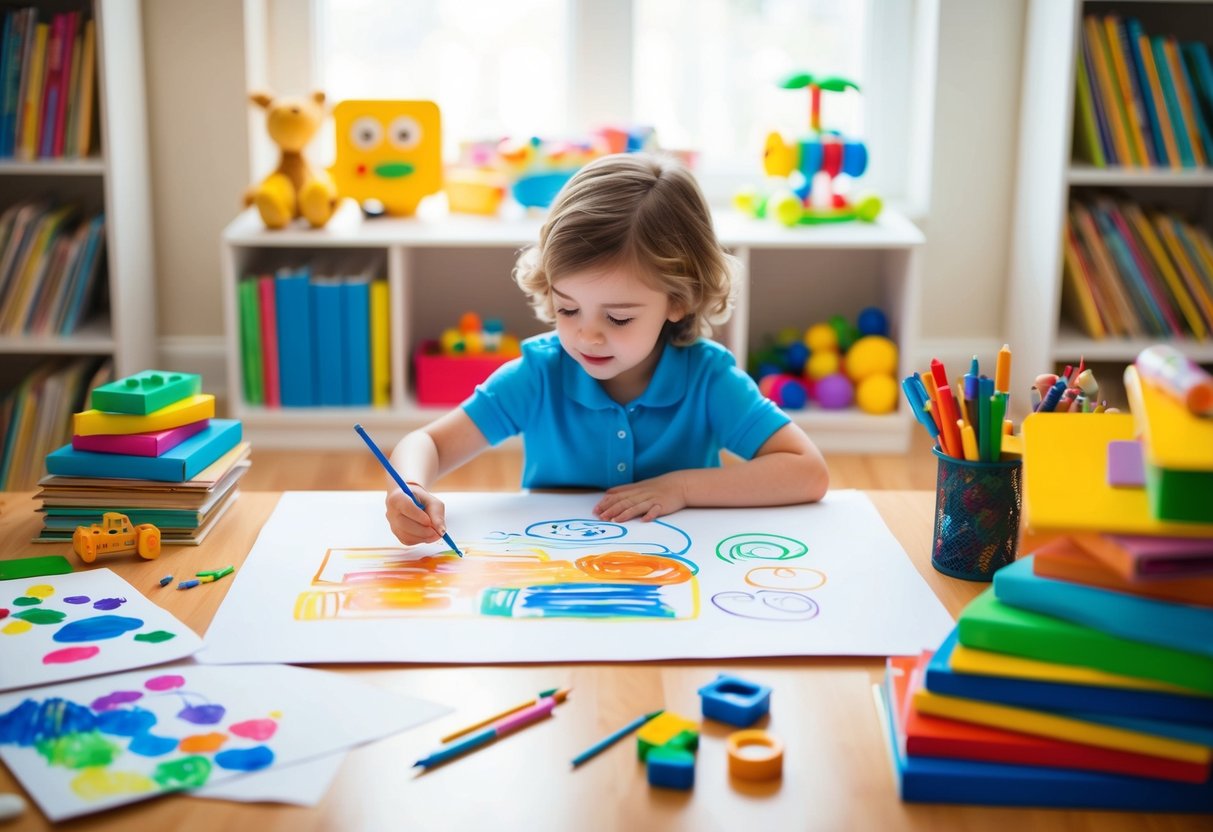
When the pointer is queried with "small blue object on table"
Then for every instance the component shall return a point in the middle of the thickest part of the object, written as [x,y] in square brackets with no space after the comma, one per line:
[735,701]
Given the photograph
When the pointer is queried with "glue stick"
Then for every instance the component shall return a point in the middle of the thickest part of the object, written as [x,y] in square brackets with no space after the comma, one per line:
[1170,370]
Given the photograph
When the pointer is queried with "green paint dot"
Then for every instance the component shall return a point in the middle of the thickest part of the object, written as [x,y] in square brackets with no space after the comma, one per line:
[41,616]
[79,750]
[156,636]
[26,601]
[186,773]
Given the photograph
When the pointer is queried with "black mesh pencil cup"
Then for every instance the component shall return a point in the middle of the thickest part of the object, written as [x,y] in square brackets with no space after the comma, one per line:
[976,516]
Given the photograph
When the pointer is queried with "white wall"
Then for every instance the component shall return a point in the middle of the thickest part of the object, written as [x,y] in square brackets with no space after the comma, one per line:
[197,91]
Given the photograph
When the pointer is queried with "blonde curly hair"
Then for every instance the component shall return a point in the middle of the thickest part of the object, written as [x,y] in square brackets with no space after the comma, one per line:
[637,210]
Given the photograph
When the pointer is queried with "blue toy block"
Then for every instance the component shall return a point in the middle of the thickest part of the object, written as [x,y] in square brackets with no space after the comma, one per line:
[735,701]
[671,768]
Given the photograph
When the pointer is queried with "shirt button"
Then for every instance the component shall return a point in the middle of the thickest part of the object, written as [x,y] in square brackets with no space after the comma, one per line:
[631,410]
[621,467]
[623,434]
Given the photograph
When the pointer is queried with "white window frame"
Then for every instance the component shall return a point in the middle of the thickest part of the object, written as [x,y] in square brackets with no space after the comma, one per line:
[899,86]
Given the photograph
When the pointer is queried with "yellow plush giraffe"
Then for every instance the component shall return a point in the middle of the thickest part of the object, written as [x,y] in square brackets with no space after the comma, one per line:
[295,188]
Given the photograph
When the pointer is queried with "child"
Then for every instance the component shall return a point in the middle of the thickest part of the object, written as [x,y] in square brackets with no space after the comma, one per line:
[625,395]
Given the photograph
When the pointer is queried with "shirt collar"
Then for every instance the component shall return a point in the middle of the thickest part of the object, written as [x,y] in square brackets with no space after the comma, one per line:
[667,387]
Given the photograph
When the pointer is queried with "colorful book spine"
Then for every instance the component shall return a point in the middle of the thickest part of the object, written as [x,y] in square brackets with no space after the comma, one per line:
[356,308]
[32,106]
[1149,102]
[84,101]
[1183,93]
[381,384]
[295,343]
[327,325]
[1089,144]
[1170,96]
[154,443]
[175,465]
[269,342]
[250,342]
[192,409]
[1135,130]
[1113,106]
[1174,282]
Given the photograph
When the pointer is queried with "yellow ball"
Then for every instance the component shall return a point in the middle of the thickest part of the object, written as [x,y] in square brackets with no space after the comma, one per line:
[871,355]
[509,346]
[452,342]
[821,363]
[877,395]
[473,342]
[821,337]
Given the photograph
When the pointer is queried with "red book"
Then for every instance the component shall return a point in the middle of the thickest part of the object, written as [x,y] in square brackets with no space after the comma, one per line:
[269,341]
[66,45]
[931,736]
[49,106]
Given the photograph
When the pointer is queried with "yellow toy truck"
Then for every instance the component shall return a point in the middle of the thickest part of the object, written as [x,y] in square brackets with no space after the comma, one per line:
[116,533]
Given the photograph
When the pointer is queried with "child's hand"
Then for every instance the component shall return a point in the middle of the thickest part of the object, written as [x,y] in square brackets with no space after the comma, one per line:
[410,524]
[647,499]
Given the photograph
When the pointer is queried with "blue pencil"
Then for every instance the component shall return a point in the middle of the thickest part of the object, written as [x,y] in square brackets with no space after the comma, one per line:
[383,460]
[607,742]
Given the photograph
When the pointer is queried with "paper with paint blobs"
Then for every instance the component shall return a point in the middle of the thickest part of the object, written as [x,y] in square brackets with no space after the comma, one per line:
[94,744]
[59,627]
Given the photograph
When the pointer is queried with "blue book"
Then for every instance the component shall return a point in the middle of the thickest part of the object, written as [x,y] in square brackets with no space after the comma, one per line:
[942,780]
[84,277]
[1136,95]
[1147,94]
[293,299]
[1101,117]
[8,60]
[1179,626]
[1199,112]
[1144,304]
[329,360]
[356,307]
[1179,124]
[178,464]
[1092,700]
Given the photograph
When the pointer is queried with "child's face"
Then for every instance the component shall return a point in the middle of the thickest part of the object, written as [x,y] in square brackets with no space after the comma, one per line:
[609,320]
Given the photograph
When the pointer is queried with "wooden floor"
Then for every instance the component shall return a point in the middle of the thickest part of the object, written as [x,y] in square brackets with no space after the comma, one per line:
[500,470]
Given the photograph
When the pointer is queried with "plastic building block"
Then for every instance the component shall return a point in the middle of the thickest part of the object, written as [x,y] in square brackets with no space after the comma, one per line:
[115,533]
[735,701]
[669,729]
[671,768]
[34,567]
[762,759]
[145,392]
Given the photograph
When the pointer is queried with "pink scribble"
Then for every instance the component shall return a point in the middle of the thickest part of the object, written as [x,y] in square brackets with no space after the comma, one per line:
[255,729]
[70,654]
[167,682]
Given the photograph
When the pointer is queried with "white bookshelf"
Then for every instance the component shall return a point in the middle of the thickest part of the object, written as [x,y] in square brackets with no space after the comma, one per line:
[116,181]
[1036,328]
[439,266]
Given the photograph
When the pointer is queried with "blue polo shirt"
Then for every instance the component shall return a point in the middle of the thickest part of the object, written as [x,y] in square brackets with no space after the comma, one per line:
[575,435]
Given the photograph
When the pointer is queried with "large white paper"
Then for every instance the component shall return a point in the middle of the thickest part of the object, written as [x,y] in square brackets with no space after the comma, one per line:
[59,627]
[90,745]
[299,784]
[543,580]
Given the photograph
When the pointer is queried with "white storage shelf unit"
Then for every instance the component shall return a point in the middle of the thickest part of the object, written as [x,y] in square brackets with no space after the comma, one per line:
[439,267]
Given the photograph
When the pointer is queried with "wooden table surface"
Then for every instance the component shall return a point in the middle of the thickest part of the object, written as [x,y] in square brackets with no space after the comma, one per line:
[837,773]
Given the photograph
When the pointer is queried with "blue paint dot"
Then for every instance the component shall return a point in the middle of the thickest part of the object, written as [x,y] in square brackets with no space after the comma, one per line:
[150,745]
[97,628]
[202,714]
[245,759]
[76,599]
[108,603]
[123,723]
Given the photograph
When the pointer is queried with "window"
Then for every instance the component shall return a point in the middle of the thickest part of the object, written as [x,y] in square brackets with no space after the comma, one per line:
[704,73]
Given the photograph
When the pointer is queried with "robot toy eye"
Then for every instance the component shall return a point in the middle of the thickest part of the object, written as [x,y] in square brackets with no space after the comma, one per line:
[366,133]
[404,133]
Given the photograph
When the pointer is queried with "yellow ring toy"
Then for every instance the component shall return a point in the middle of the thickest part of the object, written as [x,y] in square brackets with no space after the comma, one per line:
[767,766]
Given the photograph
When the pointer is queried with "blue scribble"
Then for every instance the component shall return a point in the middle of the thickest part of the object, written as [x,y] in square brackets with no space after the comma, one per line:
[32,722]
[97,628]
[575,530]
[126,723]
[108,603]
[577,601]
[150,745]
[245,759]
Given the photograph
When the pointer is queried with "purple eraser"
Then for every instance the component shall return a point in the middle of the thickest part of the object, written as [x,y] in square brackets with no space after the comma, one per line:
[1125,466]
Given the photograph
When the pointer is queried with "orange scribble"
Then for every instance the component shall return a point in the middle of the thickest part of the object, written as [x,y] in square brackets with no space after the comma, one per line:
[202,742]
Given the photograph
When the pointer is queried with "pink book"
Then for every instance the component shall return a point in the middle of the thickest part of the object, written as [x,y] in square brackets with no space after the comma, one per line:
[269,341]
[139,444]
[49,104]
[65,74]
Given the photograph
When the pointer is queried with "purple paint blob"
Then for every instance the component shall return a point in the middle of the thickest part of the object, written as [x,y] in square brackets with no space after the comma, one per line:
[202,714]
[166,682]
[245,759]
[115,699]
[108,603]
[76,599]
[97,628]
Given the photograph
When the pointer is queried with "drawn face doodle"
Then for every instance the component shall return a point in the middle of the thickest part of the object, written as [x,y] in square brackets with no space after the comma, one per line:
[767,605]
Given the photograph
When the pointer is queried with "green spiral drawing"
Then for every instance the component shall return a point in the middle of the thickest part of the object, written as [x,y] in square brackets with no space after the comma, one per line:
[759,546]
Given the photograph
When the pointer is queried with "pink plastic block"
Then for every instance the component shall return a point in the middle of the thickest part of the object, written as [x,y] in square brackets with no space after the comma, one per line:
[444,379]
[139,444]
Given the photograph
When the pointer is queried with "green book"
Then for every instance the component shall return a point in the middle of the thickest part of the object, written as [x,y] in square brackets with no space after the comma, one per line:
[250,341]
[1089,147]
[988,624]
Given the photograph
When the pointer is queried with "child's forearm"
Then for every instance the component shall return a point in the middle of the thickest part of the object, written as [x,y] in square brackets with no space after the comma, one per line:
[416,458]
[773,479]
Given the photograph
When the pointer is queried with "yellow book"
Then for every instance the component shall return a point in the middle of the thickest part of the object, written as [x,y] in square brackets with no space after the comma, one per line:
[1048,724]
[1172,437]
[1121,75]
[71,114]
[1076,291]
[1163,263]
[988,663]
[1122,318]
[33,270]
[193,409]
[1185,266]
[1160,105]
[381,382]
[33,95]
[1065,482]
[1184,94]
[88,75]
[1113,106]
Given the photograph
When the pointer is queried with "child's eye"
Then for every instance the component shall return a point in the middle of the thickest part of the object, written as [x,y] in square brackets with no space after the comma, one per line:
[567,313]
[619,321]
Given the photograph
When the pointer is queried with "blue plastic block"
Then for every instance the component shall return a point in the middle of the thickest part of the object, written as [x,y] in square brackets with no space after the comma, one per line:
[671,768]
[735,701]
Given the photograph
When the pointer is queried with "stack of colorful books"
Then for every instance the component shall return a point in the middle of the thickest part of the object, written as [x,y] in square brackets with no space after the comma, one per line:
[1084,677]
[151,449]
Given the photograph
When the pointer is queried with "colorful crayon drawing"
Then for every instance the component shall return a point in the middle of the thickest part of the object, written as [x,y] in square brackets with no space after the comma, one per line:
[779,594]
[60,627]
[89,745]
[572,568]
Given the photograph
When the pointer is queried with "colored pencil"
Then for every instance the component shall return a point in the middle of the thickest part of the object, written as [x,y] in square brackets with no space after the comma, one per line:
[540,710]
[606,742]
[559,694]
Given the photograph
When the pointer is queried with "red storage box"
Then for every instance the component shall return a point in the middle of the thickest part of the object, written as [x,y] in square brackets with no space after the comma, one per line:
[449,379]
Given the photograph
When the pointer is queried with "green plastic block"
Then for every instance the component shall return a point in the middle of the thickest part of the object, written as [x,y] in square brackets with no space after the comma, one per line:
[33,567]
[1179,495]
[988,624]
[145,392]
[682,741]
